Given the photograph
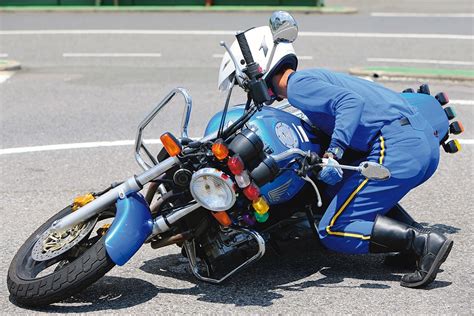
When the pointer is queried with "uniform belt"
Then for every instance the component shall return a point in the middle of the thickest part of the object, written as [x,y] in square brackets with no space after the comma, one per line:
[404,121]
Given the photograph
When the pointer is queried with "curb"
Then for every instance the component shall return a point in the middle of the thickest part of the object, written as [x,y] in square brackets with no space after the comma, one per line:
[217,9]
[376,72]
[9,65]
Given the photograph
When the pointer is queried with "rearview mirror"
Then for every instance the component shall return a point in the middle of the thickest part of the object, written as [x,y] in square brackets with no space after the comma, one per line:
[284,27]
[374,171]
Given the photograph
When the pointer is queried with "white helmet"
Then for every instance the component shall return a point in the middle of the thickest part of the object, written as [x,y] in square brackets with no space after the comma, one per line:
[260,40]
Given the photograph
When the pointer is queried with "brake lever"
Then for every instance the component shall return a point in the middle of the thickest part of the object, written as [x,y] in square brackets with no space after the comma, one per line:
[239,74]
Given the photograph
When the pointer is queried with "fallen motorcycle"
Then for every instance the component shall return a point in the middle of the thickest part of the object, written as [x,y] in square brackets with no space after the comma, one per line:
[221,198]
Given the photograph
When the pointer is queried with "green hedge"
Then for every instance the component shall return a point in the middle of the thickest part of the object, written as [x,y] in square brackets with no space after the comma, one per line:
[163,2]
[168,2]
[267,2]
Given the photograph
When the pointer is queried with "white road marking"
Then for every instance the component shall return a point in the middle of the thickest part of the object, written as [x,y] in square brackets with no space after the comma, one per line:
[212,32]
[388,35]
[461,102]
[299,57]
[421,61]
[111,55]
[422,15]
[116,32]
[3,55]
[117,143]
[5,75]
[20,150]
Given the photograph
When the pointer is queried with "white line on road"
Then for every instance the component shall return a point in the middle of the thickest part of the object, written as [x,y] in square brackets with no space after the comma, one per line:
[20,150]
[212,32]
[422,61]
[461,102]
[299,57]
[117,143]
[111,55]
[3,55]
[388,35]
[422,15]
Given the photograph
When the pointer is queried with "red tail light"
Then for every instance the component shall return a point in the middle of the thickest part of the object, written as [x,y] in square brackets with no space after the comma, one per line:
[252,192]
[236,165]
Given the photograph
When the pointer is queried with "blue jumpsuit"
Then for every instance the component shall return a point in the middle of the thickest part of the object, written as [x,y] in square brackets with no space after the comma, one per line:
[365,117]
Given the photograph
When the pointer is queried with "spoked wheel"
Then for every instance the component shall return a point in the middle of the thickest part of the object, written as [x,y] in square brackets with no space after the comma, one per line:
[50,267]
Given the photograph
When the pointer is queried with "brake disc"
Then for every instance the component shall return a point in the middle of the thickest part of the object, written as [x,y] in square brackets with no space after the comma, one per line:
[52,244]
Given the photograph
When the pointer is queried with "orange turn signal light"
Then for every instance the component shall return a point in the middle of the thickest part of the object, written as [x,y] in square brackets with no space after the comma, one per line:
[220,150]
[171,144]
[223,218]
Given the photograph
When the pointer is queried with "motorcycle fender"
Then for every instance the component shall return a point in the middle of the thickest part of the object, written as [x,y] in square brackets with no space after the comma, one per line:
[131,227]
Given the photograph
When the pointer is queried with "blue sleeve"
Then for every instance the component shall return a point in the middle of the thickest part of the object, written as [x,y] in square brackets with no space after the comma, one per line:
[315,95]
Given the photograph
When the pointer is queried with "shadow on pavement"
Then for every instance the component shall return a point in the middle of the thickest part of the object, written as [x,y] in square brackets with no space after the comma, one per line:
[109,293]
[267,281]
[445,229]
[259,285]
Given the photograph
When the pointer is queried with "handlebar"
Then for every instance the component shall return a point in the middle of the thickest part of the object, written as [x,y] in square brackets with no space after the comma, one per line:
[244,47]
[257,87]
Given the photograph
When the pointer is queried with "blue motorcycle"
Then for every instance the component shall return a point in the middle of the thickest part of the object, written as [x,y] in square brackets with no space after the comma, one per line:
[221,198]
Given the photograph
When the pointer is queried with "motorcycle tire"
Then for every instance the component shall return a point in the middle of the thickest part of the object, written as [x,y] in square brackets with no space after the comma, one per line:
[72,277]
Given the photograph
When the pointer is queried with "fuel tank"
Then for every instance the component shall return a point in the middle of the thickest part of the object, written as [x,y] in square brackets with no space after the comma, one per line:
[279,131]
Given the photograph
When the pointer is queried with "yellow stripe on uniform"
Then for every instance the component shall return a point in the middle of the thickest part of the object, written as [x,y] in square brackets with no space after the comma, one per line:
[349,200]
[343,207]
[382,150]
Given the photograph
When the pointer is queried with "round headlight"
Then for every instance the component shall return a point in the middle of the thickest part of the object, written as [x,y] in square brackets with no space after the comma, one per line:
[213,189]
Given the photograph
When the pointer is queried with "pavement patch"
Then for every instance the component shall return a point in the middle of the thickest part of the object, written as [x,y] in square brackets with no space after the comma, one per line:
[409,72]
[215,8]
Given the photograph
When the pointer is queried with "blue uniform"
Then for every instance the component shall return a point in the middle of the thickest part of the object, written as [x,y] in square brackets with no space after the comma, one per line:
[366,117]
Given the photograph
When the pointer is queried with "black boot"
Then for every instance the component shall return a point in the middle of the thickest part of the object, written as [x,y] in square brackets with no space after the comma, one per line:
[405,259]
[431,248]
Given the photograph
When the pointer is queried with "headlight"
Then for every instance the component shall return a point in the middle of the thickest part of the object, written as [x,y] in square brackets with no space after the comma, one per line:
[213,189]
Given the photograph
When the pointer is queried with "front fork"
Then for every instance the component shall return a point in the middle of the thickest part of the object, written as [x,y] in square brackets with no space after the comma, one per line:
[133,223]
[130,186]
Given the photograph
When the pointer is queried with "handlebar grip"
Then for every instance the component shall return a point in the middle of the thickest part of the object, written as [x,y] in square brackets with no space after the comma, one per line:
[244,47]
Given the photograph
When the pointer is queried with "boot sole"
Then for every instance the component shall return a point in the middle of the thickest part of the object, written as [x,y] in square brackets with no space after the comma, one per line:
[431,275]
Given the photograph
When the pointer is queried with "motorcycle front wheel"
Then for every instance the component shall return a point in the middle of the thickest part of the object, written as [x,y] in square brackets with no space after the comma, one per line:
[67,263]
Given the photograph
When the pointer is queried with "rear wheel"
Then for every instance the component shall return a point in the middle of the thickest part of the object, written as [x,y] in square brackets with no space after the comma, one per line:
[50,267]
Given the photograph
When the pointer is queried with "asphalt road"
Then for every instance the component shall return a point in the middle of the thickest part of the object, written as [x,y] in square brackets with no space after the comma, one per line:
[57,99]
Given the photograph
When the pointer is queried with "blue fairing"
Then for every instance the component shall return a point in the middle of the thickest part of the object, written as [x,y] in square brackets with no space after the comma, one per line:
[131,227]
[431,110]
[288,184]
